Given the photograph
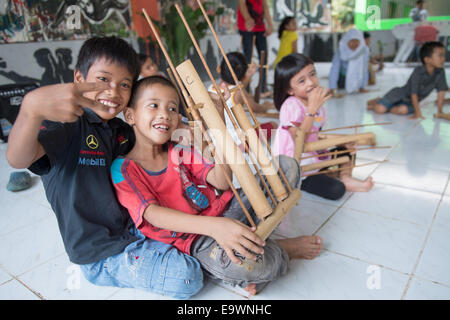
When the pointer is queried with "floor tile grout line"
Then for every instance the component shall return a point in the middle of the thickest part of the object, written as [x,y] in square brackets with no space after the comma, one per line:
[425,241]
[387,268]
[368,262]
[13,277]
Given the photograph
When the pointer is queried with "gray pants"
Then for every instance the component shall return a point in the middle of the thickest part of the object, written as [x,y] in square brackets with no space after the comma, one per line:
[268,266]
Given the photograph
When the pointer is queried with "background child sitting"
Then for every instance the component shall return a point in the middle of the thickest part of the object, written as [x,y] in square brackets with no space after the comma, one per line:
[300,100]
[430,75]
[350,64]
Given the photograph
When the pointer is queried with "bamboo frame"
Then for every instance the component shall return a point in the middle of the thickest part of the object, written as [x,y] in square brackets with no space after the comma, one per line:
[357,126]
[329,142]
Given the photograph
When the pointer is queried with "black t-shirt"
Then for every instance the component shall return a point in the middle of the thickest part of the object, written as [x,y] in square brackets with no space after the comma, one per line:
[76,176]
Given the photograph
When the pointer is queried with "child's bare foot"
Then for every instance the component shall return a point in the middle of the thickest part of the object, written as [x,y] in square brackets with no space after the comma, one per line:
[356,185]
[303,247]
[251,288]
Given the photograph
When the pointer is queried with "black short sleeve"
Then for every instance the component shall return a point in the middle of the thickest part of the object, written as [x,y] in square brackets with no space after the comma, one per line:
[441,84]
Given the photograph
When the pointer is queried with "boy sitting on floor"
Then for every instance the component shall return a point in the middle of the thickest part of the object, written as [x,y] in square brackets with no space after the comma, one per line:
[430,75]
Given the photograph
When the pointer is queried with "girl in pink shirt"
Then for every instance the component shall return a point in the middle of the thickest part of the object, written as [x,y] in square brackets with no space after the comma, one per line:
[300,99]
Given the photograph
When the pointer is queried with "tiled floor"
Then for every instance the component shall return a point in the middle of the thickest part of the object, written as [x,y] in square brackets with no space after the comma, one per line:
[390,243]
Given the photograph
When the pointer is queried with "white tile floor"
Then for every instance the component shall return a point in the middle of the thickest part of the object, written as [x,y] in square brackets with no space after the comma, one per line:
[390,243]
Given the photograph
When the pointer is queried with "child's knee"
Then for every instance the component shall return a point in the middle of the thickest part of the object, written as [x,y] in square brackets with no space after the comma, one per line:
[337,190]
[401,110]
[183,277]
[379,108]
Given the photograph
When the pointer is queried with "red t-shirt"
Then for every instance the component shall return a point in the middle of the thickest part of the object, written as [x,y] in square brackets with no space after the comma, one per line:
[172,188]
[256,10]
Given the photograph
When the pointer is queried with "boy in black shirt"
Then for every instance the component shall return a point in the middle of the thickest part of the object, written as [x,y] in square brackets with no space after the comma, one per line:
[430,75]
[68,133]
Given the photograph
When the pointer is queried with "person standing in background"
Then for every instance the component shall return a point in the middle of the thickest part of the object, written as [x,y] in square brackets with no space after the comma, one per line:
[419,13]
[250,19]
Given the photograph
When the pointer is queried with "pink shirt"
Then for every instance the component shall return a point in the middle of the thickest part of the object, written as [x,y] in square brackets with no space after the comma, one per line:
[292,113]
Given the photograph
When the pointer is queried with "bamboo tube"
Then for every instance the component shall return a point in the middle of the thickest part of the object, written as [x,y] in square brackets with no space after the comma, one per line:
[273,115]
[330,142]
[266,227]
[260,153]
[224,143]
[324,164]
[442,116]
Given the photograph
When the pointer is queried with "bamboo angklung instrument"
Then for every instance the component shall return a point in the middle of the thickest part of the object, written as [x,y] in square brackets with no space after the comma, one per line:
[242,119]
[300,147]
[268,224]
[225,146]
[236,81]
[193,110]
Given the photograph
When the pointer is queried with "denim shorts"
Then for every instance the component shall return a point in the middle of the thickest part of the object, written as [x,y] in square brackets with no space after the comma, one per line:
[149,265]
[390,105]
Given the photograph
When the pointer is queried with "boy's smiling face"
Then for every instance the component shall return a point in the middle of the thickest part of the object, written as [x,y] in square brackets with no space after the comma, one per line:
[120,81]
[155,115]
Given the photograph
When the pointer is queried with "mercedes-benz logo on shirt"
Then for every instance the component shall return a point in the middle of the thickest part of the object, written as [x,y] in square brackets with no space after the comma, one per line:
[92,141]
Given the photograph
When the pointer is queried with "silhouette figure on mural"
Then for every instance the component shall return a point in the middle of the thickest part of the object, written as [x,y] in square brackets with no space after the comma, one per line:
[55,71]
[64,57]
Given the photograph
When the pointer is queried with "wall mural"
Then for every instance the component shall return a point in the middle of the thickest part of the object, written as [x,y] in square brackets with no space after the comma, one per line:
[56,67]
[32,20]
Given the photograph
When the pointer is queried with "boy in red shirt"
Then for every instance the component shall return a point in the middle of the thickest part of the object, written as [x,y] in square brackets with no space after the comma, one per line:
[168,190]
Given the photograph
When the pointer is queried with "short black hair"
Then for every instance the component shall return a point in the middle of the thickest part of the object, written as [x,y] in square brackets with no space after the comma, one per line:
[112,49]
[283,24]
[366,34]
[146,82]
[427,49]
[287,68]
[239,65]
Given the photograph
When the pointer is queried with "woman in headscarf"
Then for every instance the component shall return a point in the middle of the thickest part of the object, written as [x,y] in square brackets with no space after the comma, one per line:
[350,65]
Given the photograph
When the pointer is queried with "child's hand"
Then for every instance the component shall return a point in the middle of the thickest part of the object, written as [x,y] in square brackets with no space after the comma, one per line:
[232,235]
[62,102]
[249,24]
[216,98]
[317,98]
[417,115]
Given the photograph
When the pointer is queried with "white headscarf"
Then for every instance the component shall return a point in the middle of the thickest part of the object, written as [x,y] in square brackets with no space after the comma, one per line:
[357,60]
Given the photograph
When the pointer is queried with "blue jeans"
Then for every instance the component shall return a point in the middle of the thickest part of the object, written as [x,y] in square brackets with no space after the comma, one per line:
[149,265]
